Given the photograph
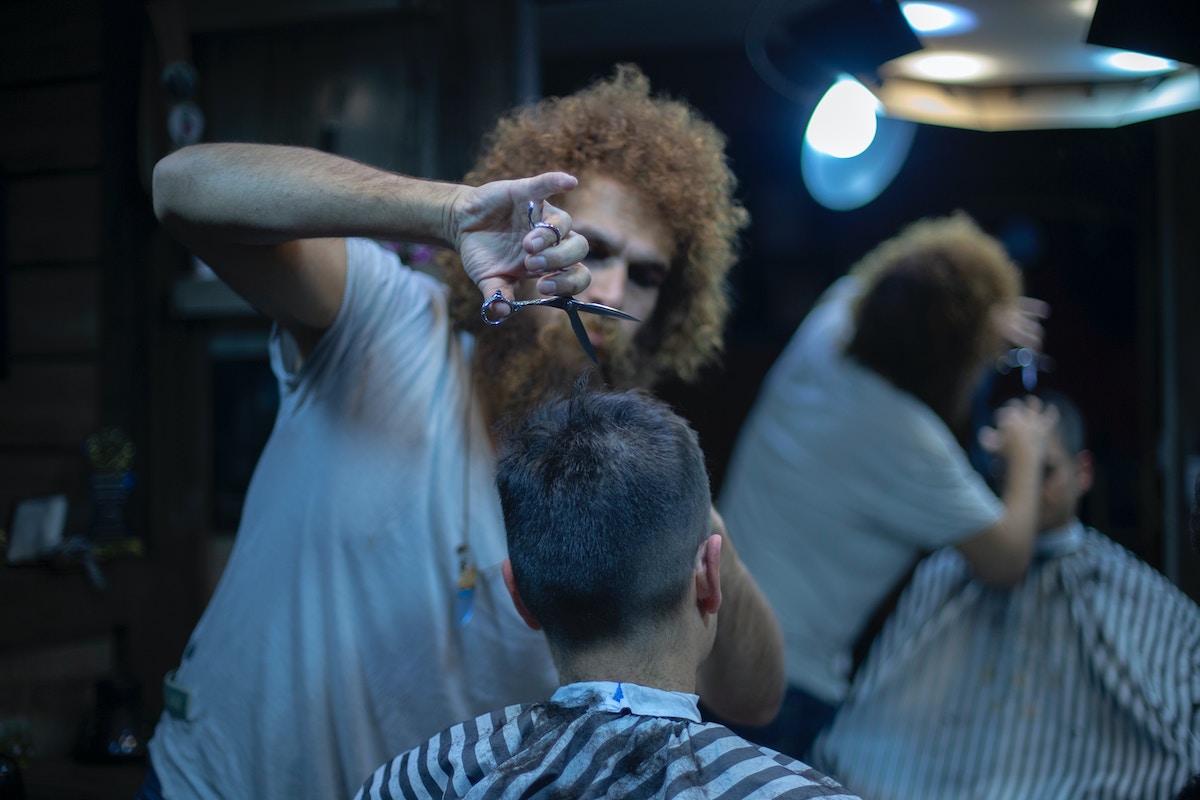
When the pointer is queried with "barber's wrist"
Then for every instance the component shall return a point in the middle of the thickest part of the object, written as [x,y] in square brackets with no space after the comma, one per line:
[1022,453]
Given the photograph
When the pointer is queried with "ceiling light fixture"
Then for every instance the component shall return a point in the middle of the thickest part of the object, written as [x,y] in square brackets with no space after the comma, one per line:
[842,184]
[844,122]
[937,19]
[1084,8]
[947,66]
[1128,61]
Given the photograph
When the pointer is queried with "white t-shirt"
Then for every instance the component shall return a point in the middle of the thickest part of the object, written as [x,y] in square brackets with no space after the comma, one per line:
[837,481]
[331,642]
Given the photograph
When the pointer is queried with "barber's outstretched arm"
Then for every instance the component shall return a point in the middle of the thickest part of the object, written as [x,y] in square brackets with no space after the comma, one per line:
[1000,555]
[270,220]
[743,678]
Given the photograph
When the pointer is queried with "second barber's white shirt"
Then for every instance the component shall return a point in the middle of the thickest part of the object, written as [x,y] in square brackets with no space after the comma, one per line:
[837,481]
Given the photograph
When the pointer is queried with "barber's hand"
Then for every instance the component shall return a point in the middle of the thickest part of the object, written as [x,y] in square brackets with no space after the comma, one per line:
[1023,427]
[1020,323]
[490,230]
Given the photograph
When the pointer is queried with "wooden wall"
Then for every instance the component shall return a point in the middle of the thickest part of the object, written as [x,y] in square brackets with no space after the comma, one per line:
[76,226]
[50,99]
[1179,332]
[90,333]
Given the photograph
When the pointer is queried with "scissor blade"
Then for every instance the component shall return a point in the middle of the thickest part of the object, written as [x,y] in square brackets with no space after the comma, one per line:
[581,334]
[553,302]
[602,310]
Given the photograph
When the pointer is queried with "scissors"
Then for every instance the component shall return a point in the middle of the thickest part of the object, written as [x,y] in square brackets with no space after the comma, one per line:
[568,304]
[1028,361]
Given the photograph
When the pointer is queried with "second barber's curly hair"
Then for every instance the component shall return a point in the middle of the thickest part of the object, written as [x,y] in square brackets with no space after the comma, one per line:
[661,148]
[924,320]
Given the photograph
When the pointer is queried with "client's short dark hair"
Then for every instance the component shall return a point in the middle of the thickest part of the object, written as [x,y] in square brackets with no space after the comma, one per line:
[606,500]
[1071,428]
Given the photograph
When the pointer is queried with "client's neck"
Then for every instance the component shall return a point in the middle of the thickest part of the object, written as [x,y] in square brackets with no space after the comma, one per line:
[663,662]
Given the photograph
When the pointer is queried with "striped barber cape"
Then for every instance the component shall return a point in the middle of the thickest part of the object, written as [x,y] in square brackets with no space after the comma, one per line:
[592,740]
[1081,682]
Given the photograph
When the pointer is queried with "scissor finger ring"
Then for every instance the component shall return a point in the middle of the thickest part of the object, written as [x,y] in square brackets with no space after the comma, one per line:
[491,301]
[541,223]
[548,226]
[516,305]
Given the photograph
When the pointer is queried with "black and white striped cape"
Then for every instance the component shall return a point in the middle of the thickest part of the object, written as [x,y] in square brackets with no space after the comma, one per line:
[1083,681]
[595,749]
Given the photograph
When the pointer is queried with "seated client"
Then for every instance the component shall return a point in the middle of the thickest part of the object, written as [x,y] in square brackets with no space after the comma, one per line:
[614,552]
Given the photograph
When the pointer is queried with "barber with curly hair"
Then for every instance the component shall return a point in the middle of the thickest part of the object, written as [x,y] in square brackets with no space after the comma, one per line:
[363,607]
[849,467]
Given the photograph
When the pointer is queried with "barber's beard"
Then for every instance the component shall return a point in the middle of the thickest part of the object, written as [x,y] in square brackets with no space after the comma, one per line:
[530,358]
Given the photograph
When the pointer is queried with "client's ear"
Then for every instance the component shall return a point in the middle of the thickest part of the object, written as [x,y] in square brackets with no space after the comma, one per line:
[1085,466]
[708,574]
[510,583]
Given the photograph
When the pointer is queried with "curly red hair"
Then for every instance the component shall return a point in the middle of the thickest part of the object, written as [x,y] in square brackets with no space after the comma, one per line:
[924,320]
[675,160]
